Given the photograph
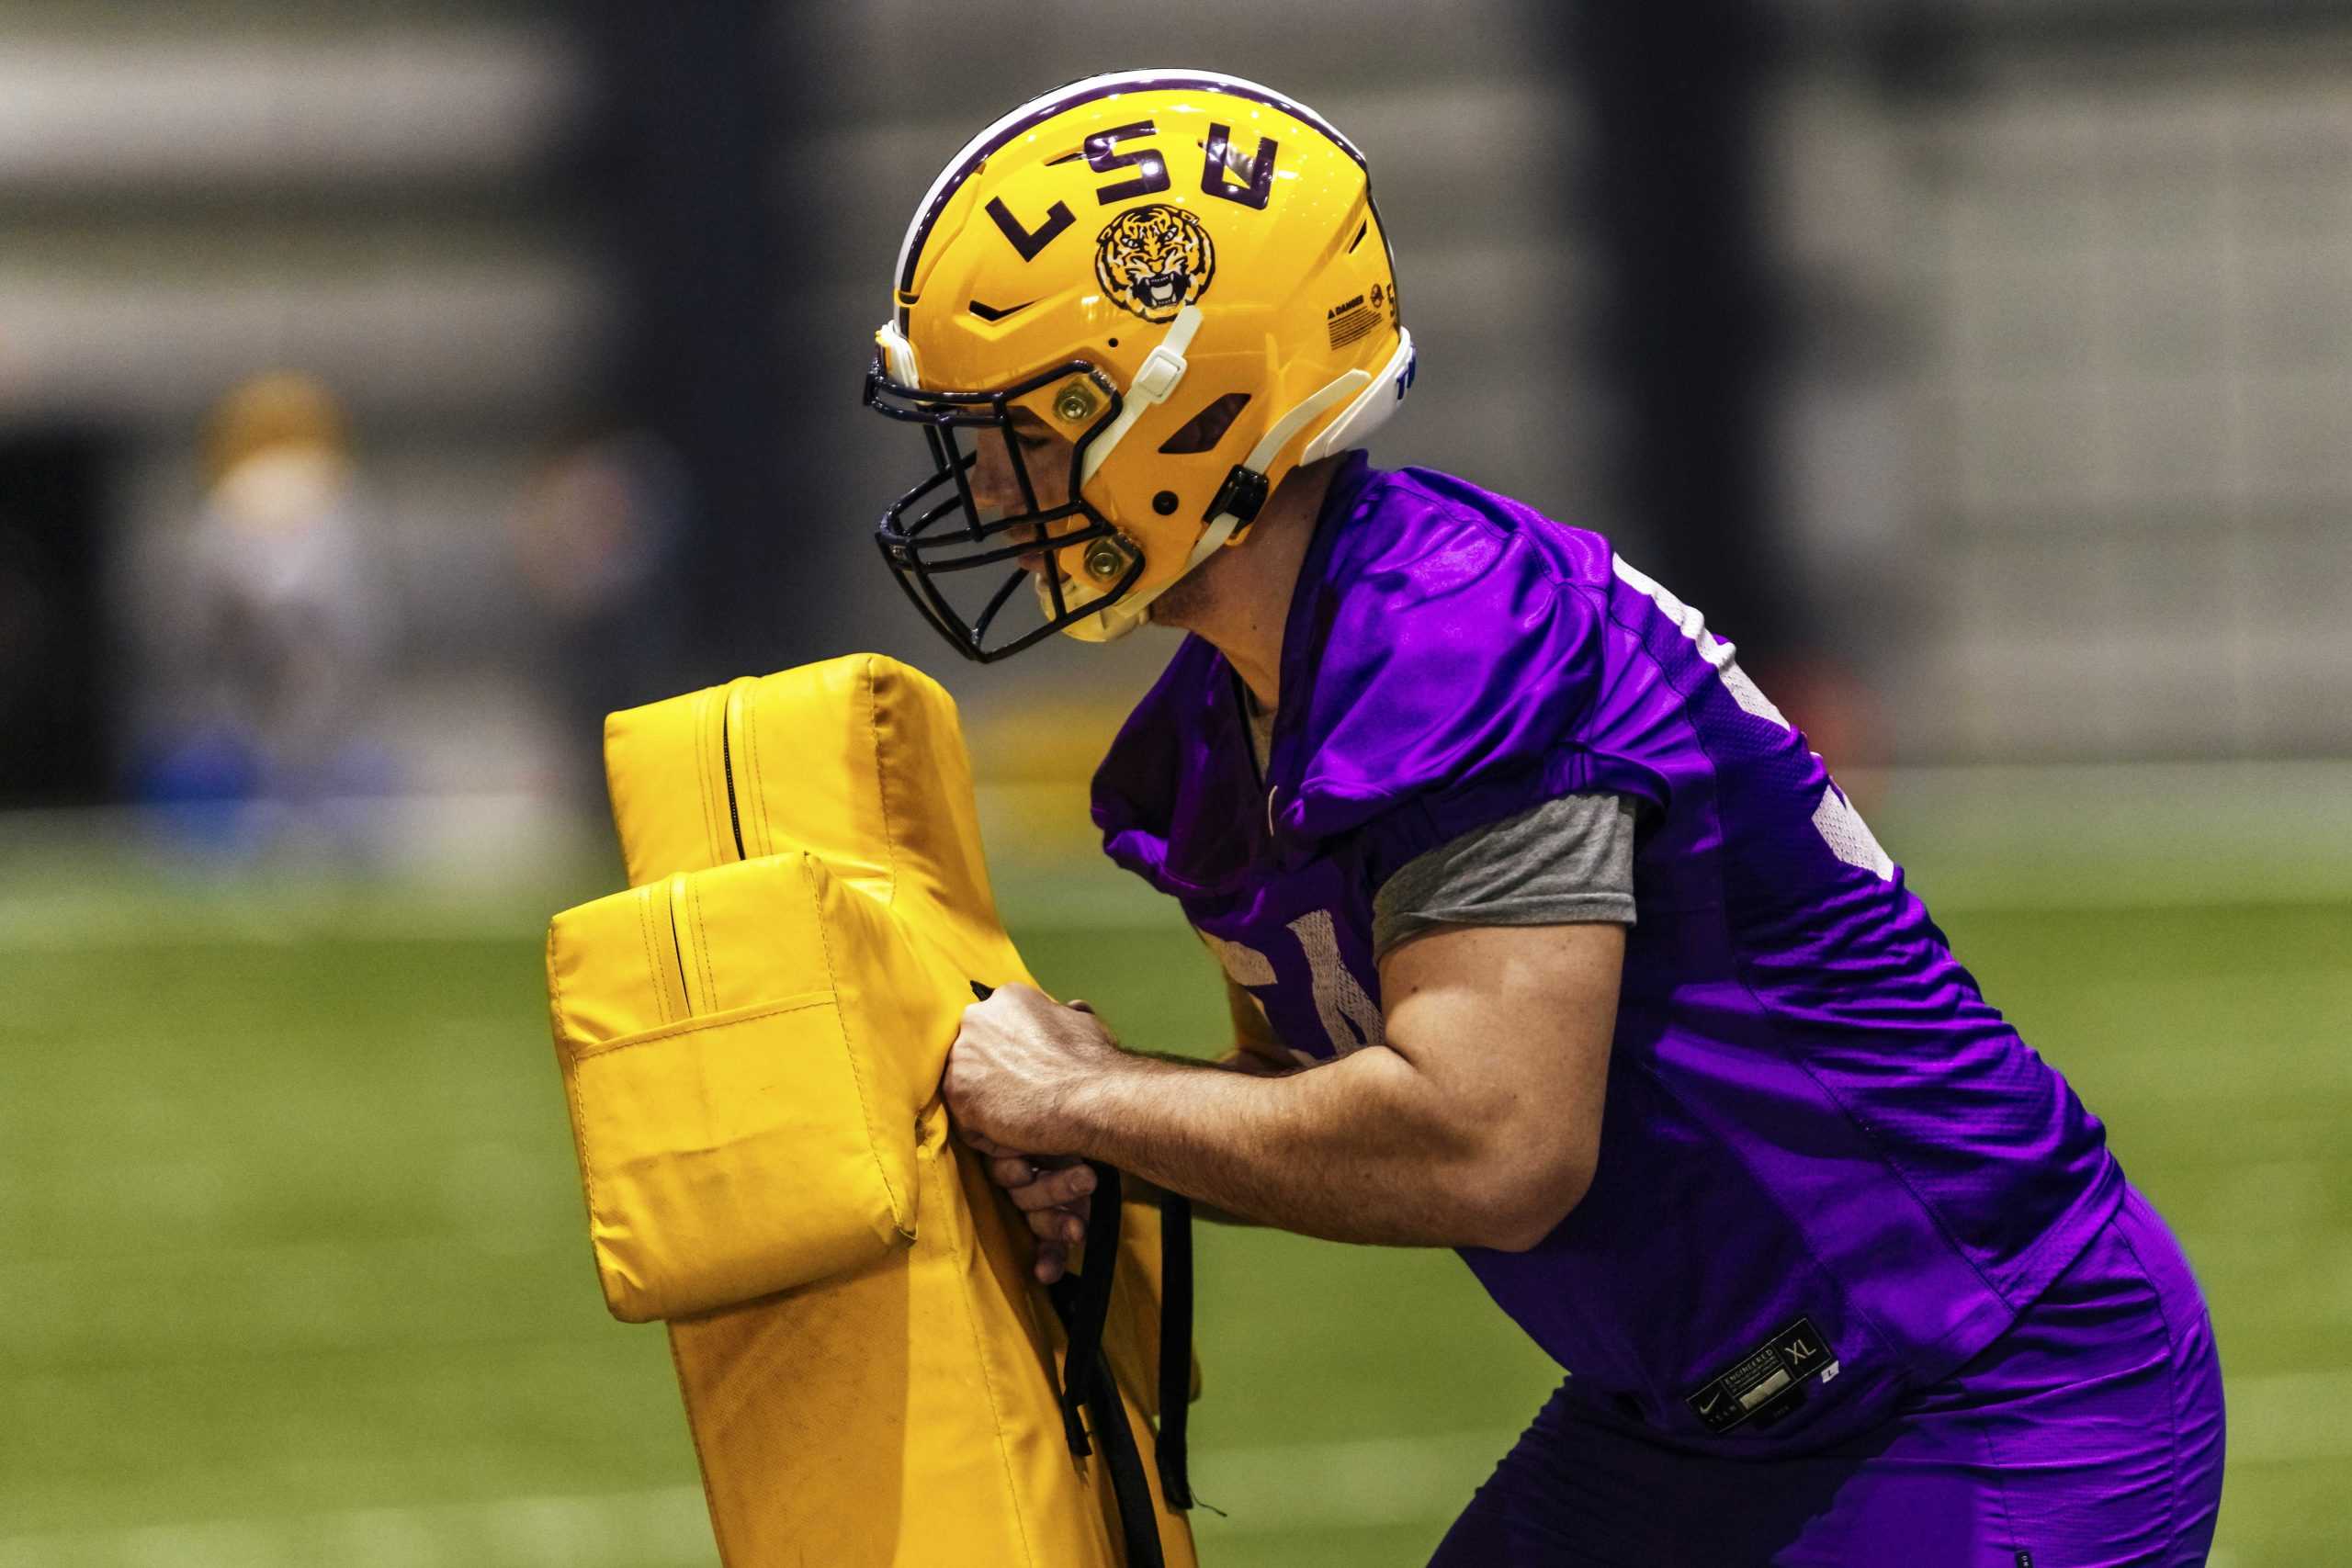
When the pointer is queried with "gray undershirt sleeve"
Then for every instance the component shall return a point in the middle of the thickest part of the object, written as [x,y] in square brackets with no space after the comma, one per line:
[1565,860]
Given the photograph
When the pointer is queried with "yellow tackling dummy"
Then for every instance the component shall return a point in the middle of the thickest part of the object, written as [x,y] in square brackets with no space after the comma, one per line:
[751,1040]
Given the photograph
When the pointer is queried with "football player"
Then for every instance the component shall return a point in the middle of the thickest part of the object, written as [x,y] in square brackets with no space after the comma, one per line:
[1548,939]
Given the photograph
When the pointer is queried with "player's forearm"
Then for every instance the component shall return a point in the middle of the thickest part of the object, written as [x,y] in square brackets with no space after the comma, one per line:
[1355,1151]
[1240,1059]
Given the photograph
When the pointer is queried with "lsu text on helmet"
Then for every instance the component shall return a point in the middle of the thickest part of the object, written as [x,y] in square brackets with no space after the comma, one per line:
[1182,273]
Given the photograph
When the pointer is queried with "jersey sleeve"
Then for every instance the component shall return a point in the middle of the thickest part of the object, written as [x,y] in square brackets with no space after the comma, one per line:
[1557,862]
[1449,686]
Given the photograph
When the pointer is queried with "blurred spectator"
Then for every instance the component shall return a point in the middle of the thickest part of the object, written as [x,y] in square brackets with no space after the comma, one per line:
[597,536]
[270,634]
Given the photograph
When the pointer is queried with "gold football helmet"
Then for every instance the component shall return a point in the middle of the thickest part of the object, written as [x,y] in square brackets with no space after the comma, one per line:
[1182,275]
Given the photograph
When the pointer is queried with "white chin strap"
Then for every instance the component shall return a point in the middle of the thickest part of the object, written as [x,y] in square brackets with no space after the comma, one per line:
[1154,383]
[1374,398]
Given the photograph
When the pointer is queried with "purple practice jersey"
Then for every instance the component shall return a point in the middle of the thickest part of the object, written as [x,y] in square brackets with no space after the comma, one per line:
[1829,1172]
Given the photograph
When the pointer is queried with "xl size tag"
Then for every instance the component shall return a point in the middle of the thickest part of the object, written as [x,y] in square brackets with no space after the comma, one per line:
[1768,1382]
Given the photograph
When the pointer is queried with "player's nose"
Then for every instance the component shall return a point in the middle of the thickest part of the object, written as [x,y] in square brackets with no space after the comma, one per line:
[994,486]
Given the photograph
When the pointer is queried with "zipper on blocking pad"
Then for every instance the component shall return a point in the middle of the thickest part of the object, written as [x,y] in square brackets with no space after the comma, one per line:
[688,950]
[669,979]
[726,723]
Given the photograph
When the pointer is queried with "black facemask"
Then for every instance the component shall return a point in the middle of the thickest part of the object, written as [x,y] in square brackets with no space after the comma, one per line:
[935,531]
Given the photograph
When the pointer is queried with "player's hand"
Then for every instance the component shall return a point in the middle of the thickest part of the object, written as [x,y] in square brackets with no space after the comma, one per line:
[1018,1053]
[1050,1190]
[1016,1061]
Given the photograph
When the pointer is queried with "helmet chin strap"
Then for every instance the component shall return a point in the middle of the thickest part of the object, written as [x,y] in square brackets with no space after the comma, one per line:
[1116,621]
[1155,382]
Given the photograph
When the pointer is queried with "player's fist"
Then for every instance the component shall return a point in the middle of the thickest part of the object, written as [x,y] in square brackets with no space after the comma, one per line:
[1050,1190]
[1016,1059]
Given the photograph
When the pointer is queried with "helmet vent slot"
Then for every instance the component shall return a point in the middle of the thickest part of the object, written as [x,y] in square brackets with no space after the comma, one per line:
[1362,229]
[1206,428]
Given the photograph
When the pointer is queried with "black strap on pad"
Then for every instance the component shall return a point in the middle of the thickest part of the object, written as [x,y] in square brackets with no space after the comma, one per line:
[1138,1522]
[1082,1302]
[1175,1346]
[1090,1304]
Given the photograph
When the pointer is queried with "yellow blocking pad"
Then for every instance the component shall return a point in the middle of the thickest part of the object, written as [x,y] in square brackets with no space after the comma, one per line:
[899,1414]
[738,1098]
[900,1411]
[859,761]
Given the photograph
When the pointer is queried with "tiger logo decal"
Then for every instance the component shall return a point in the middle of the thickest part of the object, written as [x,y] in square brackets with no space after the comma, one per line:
[1154,260]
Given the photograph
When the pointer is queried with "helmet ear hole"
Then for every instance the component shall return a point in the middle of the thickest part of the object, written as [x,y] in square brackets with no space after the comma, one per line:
[1206,428]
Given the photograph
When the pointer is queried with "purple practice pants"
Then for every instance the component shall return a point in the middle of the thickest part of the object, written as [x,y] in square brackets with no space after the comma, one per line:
[2088,1435]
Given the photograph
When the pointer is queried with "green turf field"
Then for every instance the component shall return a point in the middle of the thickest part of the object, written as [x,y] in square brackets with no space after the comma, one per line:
[293,1269]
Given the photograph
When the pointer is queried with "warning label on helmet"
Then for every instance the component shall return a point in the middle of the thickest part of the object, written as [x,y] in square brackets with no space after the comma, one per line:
[1350,320]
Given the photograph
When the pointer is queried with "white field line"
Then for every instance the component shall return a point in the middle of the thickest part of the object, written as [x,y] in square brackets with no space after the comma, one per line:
[2277,1418]
[619,1529]
[1359,1484]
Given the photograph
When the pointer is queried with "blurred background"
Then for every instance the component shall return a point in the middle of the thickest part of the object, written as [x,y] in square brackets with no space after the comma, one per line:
[387,389]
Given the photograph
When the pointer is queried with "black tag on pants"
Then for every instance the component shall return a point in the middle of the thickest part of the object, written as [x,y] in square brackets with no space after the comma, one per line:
[1767,1382]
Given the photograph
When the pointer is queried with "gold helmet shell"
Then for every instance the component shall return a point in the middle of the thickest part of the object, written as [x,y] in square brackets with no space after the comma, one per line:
[1182,271]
